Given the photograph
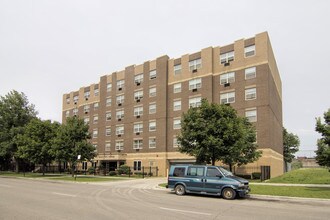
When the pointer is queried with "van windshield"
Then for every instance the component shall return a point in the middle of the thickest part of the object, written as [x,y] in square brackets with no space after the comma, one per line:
[226,172]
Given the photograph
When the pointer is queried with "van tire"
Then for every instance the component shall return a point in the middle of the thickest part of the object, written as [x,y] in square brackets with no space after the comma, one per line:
[180,190]
[228,193]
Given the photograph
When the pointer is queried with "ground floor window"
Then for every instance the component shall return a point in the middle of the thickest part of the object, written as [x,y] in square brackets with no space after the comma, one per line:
[137,165]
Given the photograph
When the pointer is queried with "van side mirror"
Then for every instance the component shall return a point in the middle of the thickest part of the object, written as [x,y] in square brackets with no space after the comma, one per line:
[219,175]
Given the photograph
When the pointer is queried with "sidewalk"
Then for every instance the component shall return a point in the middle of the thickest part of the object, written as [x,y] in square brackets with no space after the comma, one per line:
[299,200]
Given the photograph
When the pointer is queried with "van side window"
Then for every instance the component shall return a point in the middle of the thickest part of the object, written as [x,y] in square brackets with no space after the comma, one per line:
[179,171]
[212,172]
[195,171]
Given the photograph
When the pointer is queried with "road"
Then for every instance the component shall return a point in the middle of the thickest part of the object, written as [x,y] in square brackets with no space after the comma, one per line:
[134,199]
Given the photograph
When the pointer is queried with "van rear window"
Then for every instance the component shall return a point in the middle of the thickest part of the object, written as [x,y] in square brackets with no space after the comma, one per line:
[179,171]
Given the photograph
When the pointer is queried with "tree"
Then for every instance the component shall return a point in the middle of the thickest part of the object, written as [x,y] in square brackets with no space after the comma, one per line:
[214,132]
[15,113]
[323,144]
[37,141]
[72,140]
[290,146]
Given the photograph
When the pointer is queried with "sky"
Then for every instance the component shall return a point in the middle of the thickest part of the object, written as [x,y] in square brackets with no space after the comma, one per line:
[48,48]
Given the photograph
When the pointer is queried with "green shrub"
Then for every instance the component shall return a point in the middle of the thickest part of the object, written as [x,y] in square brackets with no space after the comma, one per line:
[123,169]
[112,173]
[91,170]
[256,175]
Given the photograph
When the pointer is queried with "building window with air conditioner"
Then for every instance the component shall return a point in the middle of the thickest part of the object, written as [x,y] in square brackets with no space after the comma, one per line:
[87,95]
[120,84]
[137,144]
[138,128]
[227,78]
[120,100]
[108,116]
[194,65]
[195,84]
[120,114]
[195,102]
[138,111]
[227,57]
[138,79]
[119,129]
[138,95]
[228,97]
[119,145]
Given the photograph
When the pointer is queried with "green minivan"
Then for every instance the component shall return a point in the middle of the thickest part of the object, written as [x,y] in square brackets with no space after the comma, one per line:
[202,179]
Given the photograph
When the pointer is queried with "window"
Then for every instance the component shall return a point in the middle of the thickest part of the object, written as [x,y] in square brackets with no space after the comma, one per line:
[86,120]
[250,94]
[152,142]
[195,102]
[67,113]
[95,147]
[195,64]
[195,83]
[177,105]
[96,105]
[68,100]
[120,130]
[87,95]
[107,146]
[95,132]
[152,92]
[177,88]
[152,108]
[109,87]
[195,171]
[138,95]
[138,127]
[96,92]
[75,111]
[108,116]
[119,145]
[137,165]
[75,99]
[108,131]
[120,99]
[179,171]
[227,98]
[175,142]
[152,74]
[177,123]
[95,119]
[251,115]
[86,109]
[250,73]
[227,78]
[227,57]
[152,125]
[120,114]
[138,79]
[108,102]
[138,144]
[138,111]
[250,51]
[177,69]
[213,172]
[120,84]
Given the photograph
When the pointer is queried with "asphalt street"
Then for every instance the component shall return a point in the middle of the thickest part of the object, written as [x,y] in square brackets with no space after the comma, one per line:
[135,199]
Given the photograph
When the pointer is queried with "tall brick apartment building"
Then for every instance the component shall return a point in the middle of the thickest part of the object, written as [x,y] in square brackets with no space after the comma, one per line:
[134,114]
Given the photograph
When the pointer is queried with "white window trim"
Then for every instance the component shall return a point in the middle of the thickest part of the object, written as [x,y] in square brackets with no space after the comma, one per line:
[195,64]
[154,143]
[229,77]
[249,49]
[250,94]
[228,96]
[174,106]
[177,69]
[250,71]
[227,57]
[195,83]
[174,124]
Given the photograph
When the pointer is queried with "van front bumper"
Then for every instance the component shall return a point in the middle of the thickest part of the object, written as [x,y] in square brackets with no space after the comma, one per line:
[243,192]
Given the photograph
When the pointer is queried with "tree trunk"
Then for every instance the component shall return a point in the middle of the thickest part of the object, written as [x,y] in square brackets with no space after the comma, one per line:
[16,165]
[43,169]
[230,167]
[72,169]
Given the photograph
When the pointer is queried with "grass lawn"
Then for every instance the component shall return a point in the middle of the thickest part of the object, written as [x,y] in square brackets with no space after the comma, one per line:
[292,191]
[88,178]
[304,176]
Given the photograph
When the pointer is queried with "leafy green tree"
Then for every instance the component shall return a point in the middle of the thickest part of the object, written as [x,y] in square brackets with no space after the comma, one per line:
[323,144]
[291,144]
[37,141]
[72,140]
[15,113]
[214,132]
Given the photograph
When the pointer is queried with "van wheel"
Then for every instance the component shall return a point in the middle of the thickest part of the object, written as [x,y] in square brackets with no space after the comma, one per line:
[180,190]
[228,193]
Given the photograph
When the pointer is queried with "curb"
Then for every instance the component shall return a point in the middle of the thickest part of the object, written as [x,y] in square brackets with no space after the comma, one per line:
[299,200]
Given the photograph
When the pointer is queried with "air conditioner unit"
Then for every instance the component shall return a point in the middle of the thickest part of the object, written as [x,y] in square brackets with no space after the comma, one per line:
[226,64]
[75,103]
[119,135]
[86,99]
[194,71]
[137,133]
[138,83]
[138,100]
[138,116]
[194,90]
[120,88]
[119,104]
[86,112]
[227,84]
[119,119]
